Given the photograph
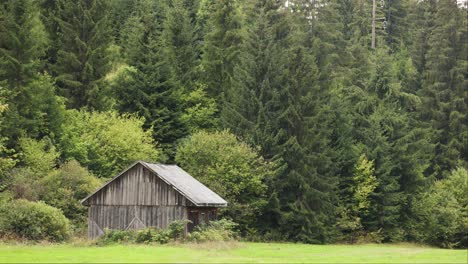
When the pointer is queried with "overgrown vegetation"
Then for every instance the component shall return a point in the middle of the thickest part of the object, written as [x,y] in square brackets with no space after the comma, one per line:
[215,231]
[230,168]
[311,133]
[33,220]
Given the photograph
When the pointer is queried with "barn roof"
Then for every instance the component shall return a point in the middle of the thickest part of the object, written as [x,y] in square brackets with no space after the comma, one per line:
[181,181]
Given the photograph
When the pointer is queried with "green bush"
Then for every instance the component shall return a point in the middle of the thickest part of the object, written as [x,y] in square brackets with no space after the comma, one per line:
[176,229]
[174,232]
[145,235]
[232,169]
[441,213]
[39,156]
[112,236]
[161,236]
[221,230]
[106,142]
[65,187]
[153,235]
[33,220]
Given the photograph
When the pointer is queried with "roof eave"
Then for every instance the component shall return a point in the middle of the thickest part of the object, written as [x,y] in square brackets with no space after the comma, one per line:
[211,205]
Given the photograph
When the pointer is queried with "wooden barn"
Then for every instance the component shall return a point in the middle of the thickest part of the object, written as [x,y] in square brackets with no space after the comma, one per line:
[150,195]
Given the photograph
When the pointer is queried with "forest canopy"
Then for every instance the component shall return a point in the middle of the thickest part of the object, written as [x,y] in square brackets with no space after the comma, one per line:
[318,120]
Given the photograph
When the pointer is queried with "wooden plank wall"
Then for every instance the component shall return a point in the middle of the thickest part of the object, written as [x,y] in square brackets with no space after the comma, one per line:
[124,217]
[138,186]
[137,199]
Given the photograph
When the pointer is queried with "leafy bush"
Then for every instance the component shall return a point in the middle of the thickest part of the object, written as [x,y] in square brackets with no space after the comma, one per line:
[33,220]
[106,142]
[24,184]
[116,236]
[228,166]
[38,156]
[174,232]
[232,169]
[442,212]
[176,229]
[221,230]
[150,235]
[65,187]
[145,235]
[37,159]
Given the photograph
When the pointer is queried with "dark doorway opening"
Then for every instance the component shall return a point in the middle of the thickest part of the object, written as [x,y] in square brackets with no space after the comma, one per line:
[193,217]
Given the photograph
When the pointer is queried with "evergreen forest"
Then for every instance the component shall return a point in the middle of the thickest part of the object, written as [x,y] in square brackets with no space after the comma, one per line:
[319,121]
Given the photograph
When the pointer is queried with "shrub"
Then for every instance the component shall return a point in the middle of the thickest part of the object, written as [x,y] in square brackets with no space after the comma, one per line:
[145,235]
[161,236]
[65,187]
[174,232]
[441,212]
[150,235]
[106,142]
[232,169]
[228,166]
[176,229]
[38,156]
[221,230]
[33,220]
[116,236]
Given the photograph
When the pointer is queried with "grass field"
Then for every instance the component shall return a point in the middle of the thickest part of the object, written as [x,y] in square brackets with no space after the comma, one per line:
[237,252]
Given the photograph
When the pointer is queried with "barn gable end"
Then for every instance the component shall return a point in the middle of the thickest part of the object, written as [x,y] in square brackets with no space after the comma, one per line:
[137,186]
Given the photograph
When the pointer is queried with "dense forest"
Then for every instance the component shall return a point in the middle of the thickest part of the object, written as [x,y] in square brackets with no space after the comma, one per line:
[319,121]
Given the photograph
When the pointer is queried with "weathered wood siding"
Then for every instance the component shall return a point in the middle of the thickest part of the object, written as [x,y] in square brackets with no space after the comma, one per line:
[138,186]
[126,217]
[136,200]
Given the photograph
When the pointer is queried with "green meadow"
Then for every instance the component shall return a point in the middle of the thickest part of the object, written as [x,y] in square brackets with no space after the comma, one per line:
[231,253]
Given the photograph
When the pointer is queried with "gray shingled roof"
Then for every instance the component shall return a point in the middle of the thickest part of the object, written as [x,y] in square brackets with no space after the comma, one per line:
[181,181]
[188,186]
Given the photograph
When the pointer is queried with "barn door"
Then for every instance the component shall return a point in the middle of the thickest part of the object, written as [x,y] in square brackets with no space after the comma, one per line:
[193,217]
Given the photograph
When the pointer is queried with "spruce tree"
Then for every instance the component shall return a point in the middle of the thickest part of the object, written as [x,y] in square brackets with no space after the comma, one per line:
[251,102]
[221,46]
[306,185]
[444,86]
[180,47]
[82,60]
[33,108]
[146,87]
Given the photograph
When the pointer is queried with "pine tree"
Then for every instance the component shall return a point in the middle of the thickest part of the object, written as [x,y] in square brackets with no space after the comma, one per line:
[180,47]
[33,108]
[82,60]
[7,160]
[444,86]
[23,43]
[221,46]
[147,87]
[251,102]
[306,185]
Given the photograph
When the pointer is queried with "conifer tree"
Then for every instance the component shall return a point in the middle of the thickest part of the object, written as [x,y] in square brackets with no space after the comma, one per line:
[82,60]
[180,46]
[146,87]
[303,146]
[444,86]
[221,46]
[33,108]
[251,103]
